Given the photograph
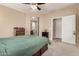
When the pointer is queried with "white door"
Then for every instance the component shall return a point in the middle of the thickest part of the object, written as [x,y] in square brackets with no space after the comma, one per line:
[69,29]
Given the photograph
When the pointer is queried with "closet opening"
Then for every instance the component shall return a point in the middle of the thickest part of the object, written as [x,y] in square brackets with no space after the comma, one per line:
[57,29]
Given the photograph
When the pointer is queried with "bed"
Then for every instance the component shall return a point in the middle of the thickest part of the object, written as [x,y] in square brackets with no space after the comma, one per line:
[23,46]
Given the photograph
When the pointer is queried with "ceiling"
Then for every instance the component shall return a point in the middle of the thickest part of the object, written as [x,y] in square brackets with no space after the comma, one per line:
[45,7]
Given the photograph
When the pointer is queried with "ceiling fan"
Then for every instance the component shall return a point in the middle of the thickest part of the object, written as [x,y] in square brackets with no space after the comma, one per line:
[35,6]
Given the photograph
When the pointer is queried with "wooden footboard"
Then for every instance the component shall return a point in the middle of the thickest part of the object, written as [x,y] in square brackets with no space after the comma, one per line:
[41,51]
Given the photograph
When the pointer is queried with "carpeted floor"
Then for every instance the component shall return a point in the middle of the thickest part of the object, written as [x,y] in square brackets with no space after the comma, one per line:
[62,49]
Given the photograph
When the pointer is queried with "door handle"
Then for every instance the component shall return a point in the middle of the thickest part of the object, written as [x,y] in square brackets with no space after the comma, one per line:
[74,33]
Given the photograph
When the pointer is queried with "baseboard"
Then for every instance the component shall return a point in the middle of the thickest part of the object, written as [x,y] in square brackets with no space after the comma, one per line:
[57,38]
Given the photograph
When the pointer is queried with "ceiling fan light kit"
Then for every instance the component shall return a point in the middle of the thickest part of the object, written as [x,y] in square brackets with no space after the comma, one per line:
[35,6]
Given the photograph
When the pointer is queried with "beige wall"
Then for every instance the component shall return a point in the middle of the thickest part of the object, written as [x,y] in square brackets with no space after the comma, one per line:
[62,12]
[44,19]
[10,18]
[77,23]
[42,22]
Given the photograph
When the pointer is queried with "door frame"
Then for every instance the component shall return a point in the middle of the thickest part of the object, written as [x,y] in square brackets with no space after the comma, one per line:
[36,20]
[55,26]
[51,27]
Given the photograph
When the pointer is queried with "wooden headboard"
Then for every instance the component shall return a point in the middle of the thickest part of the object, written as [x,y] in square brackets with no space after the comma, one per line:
[19,31]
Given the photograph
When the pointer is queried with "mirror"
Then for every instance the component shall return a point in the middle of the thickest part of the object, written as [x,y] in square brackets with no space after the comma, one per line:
[35,26]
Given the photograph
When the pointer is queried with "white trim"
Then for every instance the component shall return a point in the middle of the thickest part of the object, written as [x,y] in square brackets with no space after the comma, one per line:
[51,25]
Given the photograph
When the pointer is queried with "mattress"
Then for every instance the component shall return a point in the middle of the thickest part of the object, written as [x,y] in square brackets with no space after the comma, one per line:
[21,45]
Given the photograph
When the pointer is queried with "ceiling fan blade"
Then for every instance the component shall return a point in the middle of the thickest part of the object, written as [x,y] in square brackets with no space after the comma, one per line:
[40,3]
[38,8]
[34,3]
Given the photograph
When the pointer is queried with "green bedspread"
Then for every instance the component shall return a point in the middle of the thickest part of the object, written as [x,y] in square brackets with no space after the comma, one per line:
[21,45]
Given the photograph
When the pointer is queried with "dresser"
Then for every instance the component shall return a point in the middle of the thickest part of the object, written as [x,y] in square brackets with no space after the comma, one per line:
[19,31]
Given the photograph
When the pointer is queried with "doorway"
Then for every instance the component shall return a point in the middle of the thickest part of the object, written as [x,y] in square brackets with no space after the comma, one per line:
[64,28]
[34,26]
[57,29]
